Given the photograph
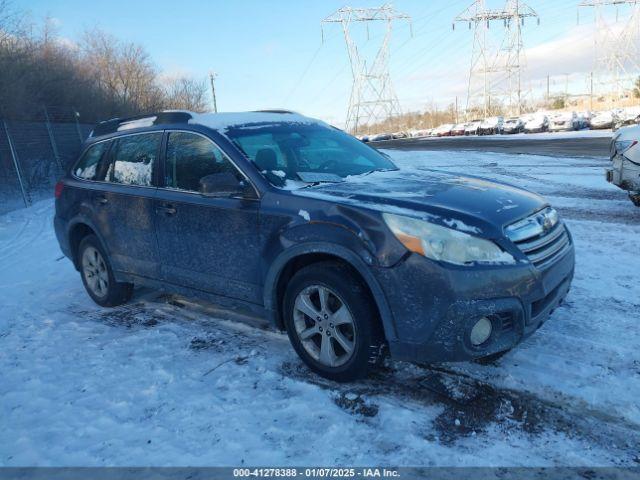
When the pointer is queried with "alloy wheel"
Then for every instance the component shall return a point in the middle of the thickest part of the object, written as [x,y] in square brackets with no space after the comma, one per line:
[324,326]
[95,272]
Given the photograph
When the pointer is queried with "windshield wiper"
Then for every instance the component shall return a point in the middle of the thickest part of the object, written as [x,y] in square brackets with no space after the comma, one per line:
[379,170]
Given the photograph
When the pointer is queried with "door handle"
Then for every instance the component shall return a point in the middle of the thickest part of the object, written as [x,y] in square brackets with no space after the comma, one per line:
[102,200]
[167,209]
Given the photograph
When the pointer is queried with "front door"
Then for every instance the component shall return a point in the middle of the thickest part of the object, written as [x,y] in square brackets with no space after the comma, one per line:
[206,242]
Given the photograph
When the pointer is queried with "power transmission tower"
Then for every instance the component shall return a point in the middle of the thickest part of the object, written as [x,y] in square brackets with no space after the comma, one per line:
[373,98]
[616,45]
[497,68]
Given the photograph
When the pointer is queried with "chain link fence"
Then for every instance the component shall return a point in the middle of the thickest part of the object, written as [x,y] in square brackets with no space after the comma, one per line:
[35,154]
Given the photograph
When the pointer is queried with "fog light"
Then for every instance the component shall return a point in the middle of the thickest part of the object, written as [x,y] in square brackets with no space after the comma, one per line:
[481,331]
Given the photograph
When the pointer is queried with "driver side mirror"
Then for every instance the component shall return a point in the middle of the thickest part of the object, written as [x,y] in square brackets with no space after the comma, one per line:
[225,184]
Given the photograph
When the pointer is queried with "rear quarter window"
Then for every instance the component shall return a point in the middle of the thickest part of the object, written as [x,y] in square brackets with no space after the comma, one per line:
[133,159]
[88,166]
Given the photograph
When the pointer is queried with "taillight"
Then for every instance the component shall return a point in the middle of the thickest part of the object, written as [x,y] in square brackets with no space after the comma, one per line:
[58,189]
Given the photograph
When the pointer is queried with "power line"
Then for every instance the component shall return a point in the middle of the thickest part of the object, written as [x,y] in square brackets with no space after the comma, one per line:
[488,59]
[373,98]
[616,52]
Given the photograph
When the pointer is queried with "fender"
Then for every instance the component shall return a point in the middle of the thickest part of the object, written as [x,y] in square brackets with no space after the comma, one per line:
[81,218]
[279,263]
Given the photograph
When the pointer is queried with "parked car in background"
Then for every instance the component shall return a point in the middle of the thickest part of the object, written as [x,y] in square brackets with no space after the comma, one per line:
[458,129]
[396,135]
[513,125]
[491,126]
[536,123]
[421,133]
[260,210]
[628,116]
[563,122]
[363,138]
[584,120]
[603,120]
[471,128]
[380,137]
[443,130]
[625,162]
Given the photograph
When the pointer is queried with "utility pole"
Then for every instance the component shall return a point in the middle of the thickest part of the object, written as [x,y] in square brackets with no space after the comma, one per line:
[489,61]
[373,98]
[212,77]
[616,45]
[456,109]
[591,91]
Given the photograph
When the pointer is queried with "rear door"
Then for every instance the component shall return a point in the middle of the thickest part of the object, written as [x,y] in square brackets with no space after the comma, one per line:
[206,242]
[124,205]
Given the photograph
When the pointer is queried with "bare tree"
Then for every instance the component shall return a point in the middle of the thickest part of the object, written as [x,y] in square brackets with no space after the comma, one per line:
[184,93]
[100,76]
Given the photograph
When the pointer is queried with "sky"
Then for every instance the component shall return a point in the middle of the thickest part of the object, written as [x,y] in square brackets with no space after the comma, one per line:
[271,54]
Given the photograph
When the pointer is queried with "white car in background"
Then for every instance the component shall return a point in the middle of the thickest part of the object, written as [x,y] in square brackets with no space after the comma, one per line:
[458,129]
[491,126]
[604,119]
[627,116]
[443,130]
[472,127]
[625,162]
[563,122]
[536,123]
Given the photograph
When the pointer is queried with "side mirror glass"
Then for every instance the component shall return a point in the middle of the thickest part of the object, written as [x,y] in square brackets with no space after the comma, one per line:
[224,184]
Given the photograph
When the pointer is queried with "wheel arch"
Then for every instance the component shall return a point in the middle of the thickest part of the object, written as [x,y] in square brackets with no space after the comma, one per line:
[79,229]
[292,260]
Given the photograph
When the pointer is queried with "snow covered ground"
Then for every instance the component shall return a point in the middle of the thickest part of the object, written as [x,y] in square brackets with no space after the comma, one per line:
[169,381]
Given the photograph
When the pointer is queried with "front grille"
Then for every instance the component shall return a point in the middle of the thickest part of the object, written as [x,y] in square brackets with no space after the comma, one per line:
[541,245]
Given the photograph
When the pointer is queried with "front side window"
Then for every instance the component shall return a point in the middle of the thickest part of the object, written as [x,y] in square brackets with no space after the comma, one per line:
[133,159]
[307,153]
[88,166]
[192,157]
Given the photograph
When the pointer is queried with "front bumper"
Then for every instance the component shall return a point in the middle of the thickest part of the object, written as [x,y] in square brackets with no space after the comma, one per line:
[435,307]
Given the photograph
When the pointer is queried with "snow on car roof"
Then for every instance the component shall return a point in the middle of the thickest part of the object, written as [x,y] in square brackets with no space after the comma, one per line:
[223,121]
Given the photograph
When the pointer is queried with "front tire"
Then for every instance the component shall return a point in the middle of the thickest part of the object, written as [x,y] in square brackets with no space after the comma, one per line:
[97,275]
[332,322]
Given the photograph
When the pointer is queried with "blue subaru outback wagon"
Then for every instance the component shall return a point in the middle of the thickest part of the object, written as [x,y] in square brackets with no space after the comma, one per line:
[323,234]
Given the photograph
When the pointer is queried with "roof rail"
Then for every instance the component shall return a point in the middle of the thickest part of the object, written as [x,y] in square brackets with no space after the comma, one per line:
[275,111]
[117,124]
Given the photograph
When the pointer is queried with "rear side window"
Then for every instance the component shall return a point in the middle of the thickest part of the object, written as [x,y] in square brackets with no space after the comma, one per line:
[87,167]
[191,157]
[133,159]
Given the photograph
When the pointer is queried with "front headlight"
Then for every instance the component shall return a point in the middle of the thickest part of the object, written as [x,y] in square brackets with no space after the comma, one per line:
[444,244]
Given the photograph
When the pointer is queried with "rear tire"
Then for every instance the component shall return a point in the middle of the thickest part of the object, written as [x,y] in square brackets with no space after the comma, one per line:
[97,275]
[332,322]
[635,198]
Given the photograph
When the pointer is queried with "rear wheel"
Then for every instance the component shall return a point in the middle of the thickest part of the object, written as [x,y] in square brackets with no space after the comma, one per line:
[635,198]
[332,322]
[97,275]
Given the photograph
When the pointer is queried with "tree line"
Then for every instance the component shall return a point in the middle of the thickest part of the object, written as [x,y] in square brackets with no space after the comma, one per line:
[98,75]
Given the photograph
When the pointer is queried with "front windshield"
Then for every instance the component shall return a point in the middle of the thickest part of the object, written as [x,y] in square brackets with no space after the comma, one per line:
[298,154]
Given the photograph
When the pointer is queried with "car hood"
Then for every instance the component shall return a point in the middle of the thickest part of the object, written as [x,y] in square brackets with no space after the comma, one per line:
[431,194]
